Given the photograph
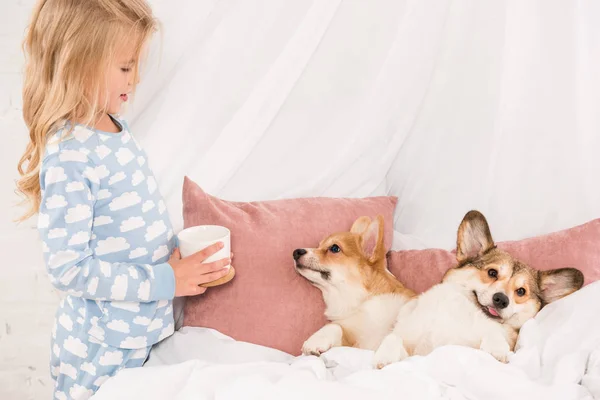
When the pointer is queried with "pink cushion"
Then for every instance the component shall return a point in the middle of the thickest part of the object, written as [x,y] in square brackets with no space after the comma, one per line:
[267,302]
[578,247]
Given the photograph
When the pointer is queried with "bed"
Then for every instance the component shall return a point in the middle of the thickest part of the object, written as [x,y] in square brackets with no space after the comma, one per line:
[557,357]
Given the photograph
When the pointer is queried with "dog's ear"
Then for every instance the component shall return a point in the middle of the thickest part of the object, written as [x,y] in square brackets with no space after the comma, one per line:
[360,225]
[558,283]
[474,237]
[372,240]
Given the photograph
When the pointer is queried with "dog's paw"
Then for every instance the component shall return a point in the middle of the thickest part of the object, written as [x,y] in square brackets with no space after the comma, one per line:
[316,345]
[391,350]
[499,349]
[324,339]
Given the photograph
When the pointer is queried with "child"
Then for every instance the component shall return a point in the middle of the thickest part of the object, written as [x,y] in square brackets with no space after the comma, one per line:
[107,239]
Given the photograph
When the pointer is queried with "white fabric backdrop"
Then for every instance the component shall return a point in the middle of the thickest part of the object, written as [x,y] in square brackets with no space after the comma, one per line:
[450,105]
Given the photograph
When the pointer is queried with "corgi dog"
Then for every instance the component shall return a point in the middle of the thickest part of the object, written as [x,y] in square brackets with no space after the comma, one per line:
[361,296]
[480,303]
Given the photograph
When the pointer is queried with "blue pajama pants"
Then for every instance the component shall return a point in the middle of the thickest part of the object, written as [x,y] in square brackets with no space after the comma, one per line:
[79,364]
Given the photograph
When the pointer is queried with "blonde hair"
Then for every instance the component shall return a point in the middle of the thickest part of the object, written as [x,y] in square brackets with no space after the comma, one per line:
[69,47]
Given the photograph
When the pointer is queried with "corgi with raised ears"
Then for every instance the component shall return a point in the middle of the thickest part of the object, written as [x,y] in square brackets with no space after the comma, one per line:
[480,303]
[361,296]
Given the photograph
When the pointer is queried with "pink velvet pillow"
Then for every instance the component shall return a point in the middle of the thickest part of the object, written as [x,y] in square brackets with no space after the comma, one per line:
[267,302]
[578,247]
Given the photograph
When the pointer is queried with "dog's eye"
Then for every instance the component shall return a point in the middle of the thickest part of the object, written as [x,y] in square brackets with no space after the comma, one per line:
[335,248]
[492,273]
[521,292]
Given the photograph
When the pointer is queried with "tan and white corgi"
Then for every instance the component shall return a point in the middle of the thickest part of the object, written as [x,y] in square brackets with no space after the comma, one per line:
[362,297]
[481,303]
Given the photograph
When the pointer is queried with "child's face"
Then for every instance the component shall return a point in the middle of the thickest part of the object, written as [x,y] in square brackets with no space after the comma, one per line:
[120,78]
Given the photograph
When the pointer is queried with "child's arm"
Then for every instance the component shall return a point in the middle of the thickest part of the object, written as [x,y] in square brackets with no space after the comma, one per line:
[70,185]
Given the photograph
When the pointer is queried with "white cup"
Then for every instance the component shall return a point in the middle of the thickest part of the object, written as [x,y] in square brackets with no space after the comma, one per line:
[196,238]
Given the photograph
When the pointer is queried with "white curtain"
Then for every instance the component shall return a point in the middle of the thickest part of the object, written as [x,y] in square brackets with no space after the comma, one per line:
[449,105]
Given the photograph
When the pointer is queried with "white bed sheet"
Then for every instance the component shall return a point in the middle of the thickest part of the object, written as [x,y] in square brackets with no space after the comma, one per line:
[557,358]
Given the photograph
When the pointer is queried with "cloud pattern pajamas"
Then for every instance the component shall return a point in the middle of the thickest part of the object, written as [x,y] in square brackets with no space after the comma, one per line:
[106,239]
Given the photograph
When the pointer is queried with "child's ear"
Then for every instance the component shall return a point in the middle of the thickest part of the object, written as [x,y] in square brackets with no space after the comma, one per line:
[372,240]
[558,283]
[474,237]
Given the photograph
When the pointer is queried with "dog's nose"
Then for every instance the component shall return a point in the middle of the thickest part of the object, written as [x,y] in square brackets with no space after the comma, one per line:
[299,253]
[500,300]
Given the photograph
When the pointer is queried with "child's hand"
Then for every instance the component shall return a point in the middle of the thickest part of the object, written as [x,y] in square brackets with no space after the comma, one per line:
[191,272]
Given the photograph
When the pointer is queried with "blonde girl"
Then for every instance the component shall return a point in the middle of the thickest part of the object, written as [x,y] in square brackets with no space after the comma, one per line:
[107,239]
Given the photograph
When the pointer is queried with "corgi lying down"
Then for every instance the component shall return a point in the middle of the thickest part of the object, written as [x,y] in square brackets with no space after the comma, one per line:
[480,303]
[362,297]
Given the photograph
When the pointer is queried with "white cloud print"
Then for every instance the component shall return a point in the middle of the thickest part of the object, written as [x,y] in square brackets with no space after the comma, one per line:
[156,324]
[155,230]
[105,268]
[125,200]
[55,175]
[166,332]
[144,290]
[132,223]
[72,155]
[75,346]
[78,213]
[67,277]
[93,286]
[133,273]
[134,342]
[81,134]
[56,201]
[119,288]
[118,325]
[89,368]
[66,322]
[137,177]
[124,156]
[118,177]
[57,233]
[95,174]
[102,151]
[111,245]
[103,194]
[126,305]
[145,321]
[160,253]
[75,187]
[139,252]
[80,392]
[80,237]
[68,370]
[61,258]
[102,220]
[148,205]
[111,358]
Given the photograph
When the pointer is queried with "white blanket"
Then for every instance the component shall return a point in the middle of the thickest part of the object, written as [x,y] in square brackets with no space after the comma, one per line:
[557,357]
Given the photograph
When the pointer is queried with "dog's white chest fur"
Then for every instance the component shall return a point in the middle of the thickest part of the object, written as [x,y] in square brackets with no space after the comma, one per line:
[373,320]
[443,315]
